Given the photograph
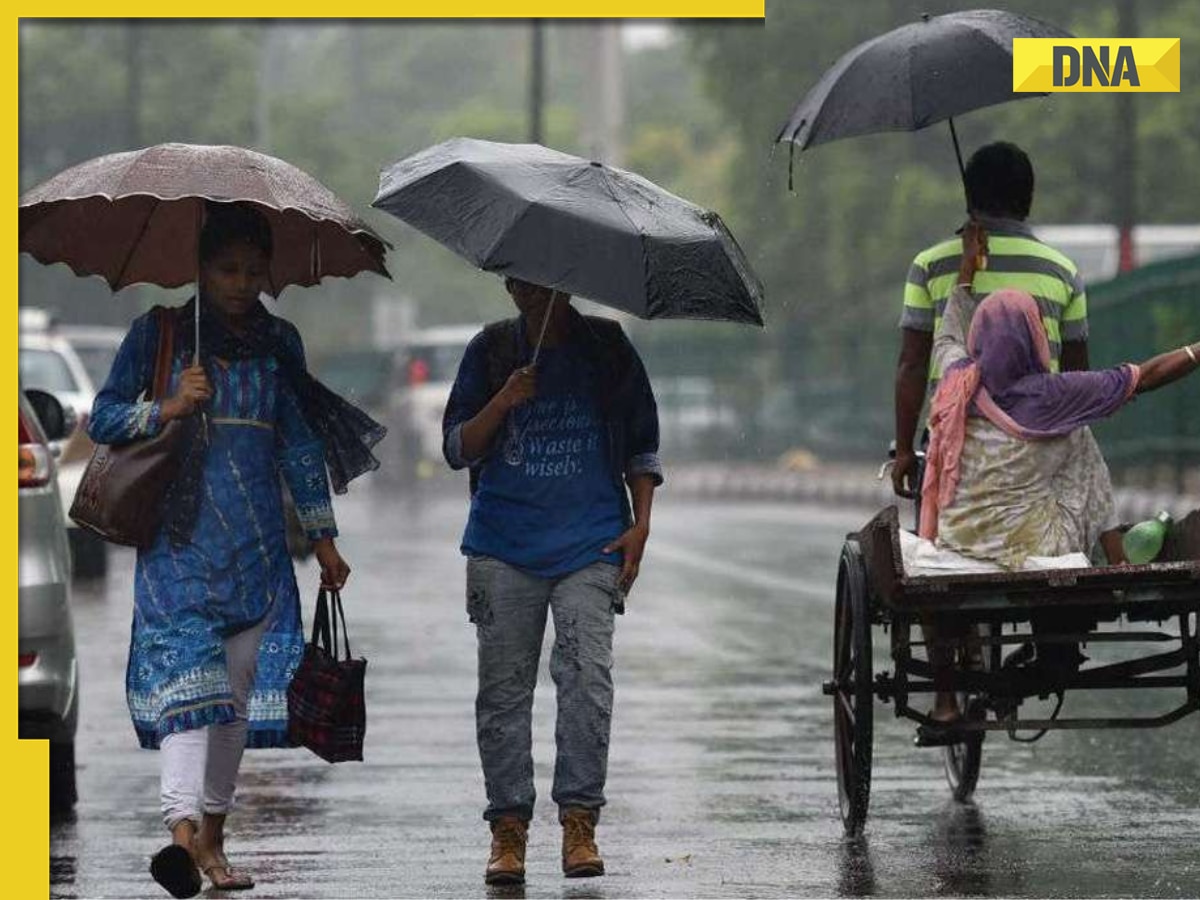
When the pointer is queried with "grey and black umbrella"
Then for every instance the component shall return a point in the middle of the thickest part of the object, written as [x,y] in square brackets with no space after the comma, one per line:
[915,76]
[576,226]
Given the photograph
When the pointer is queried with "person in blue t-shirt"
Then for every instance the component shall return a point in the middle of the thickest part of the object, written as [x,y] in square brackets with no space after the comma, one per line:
[554,416]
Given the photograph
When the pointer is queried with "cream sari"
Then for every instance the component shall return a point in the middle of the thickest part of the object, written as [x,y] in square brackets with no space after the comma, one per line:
[1016,498]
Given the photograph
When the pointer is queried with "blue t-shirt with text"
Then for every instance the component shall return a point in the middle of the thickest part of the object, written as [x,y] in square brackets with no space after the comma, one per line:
[546,501]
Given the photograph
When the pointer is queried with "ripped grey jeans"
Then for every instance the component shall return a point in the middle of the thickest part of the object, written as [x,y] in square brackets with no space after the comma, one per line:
[508,608]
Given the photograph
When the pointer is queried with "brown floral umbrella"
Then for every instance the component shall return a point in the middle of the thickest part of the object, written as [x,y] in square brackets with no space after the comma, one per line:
[135,217]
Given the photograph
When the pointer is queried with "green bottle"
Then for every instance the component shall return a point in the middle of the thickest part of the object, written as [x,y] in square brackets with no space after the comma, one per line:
[1143,542]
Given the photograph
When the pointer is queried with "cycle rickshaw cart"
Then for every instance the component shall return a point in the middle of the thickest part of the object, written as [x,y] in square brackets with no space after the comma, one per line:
[1156,605]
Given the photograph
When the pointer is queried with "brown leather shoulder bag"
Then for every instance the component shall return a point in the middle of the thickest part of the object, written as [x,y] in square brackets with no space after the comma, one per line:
[120,495]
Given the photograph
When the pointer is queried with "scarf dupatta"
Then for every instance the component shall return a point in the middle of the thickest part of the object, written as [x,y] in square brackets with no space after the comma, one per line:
[1006,379]
[348,433]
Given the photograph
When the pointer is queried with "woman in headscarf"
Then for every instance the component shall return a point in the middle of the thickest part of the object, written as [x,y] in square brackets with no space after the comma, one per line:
[216,622]
[1012,470]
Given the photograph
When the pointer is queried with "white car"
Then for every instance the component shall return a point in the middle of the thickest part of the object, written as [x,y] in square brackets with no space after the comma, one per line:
[48,362]
[47,675]
[96,346]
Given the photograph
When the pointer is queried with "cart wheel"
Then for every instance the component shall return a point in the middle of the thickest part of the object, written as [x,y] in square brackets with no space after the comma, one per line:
[853,696]
[963,760]
[962,766]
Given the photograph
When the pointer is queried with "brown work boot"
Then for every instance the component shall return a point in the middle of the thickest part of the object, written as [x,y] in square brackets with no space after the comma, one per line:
[506,865]
[580,857]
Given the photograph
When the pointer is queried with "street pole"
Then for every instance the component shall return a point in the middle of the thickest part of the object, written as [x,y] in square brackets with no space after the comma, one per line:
[360,106]
[1125,158]
[133,84]
[537,79]
[262,106]
[612,93]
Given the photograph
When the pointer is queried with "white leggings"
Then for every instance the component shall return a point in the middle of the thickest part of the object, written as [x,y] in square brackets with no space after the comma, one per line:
[200,766]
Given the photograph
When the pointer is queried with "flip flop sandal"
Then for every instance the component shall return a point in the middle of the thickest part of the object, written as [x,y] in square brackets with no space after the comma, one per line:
[232,879]
[174,868]
[244,881]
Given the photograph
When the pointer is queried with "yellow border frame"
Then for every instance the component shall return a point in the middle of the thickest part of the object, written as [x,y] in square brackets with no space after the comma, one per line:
[26,833]
[425,9]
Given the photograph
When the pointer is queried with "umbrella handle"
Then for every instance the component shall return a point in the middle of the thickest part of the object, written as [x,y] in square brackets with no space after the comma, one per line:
[199,228]
[958,155]
[545,321]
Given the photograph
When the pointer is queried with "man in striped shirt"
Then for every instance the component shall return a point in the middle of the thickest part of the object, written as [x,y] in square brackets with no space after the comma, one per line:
[999,182]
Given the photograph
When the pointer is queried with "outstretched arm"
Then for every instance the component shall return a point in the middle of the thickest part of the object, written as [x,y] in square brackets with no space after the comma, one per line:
[1167,367]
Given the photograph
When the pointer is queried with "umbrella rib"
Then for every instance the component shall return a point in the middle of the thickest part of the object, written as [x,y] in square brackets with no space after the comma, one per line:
[271,284]
[486,257]
[117,190]
[640,233]
[133,246]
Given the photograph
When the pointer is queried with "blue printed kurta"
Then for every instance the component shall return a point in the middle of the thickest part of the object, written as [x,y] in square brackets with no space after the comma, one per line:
[236,569]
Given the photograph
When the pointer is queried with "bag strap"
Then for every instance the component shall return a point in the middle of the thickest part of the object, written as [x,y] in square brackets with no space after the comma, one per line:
[614,356]
[500,346]
[500,360]
[320,629]
[340,614]
[325,625]
[166,349]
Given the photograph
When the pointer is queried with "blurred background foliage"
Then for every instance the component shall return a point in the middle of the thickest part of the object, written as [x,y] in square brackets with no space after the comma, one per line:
[701,106]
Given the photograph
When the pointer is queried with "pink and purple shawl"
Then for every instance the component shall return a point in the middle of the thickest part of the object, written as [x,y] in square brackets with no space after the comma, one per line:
[1006,378]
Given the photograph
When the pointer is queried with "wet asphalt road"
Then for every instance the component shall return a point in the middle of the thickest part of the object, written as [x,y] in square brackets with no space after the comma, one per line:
[721,776]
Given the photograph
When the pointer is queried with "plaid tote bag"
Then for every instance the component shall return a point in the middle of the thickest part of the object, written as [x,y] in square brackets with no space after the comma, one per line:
[326,712]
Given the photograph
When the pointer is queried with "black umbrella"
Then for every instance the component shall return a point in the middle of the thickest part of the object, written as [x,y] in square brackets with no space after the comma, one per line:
[576,226]
[915,76]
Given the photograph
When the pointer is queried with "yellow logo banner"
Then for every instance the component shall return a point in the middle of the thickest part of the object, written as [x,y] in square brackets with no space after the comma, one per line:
[1097,65]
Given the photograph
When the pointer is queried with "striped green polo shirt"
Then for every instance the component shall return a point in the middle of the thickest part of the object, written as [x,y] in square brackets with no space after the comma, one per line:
[1016,259]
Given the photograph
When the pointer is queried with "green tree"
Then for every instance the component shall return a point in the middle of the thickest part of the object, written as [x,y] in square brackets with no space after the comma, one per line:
[834,252]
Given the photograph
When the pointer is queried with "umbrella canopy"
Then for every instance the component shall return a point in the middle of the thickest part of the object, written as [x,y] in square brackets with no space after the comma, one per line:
[135,217]
[915,76]
[576,226]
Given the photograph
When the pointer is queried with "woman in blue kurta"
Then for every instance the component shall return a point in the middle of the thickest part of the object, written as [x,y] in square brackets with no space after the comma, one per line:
[216,624]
